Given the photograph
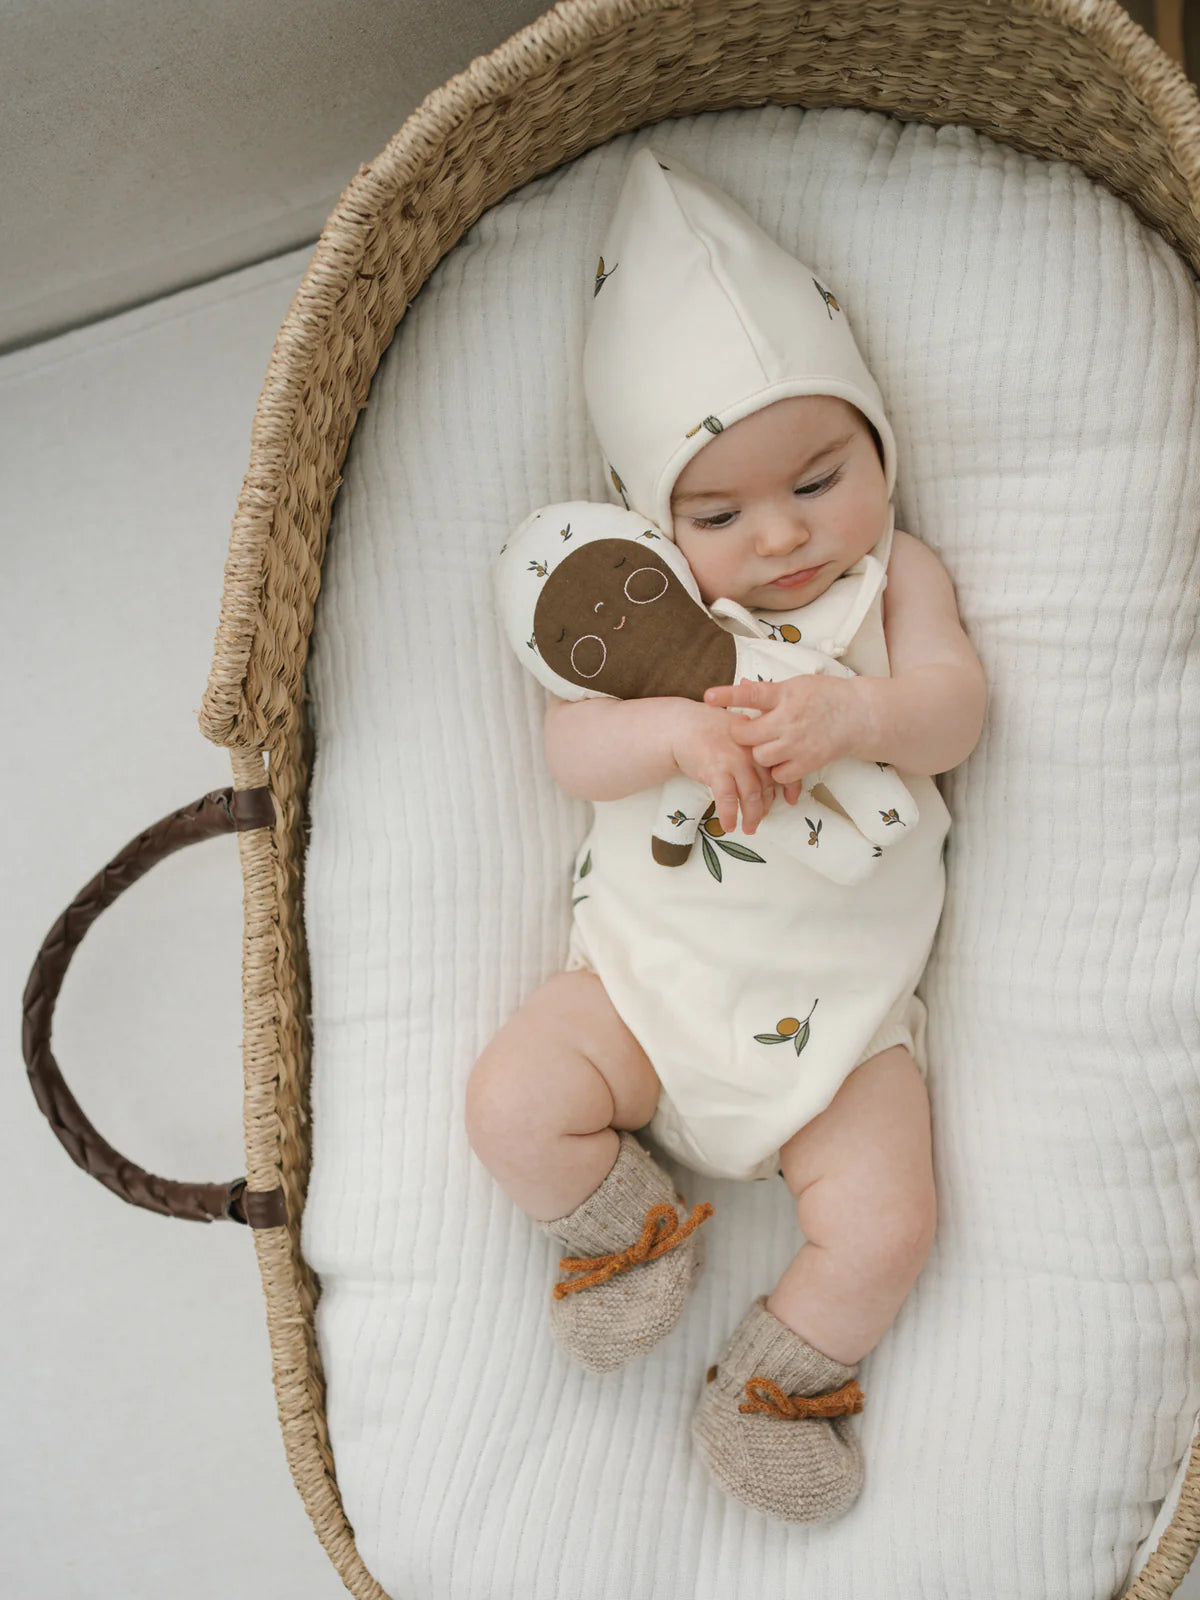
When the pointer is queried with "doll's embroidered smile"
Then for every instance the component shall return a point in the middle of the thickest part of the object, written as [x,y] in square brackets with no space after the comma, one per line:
[619,625]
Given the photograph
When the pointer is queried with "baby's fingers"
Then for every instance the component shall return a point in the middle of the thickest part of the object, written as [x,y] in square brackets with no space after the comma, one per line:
[725,796]
[757,790]
[748,731]
[757,693]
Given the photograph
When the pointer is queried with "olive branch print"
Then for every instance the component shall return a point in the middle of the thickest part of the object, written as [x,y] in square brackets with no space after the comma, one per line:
[583,872]
[789,1028]
[712,834]
[602,277]
[787,631]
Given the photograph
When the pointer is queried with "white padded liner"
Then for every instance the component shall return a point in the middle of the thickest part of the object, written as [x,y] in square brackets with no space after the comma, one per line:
[1032,1405]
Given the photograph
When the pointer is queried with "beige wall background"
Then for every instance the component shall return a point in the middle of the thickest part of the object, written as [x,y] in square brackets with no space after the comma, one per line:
[148,145]
[153,144]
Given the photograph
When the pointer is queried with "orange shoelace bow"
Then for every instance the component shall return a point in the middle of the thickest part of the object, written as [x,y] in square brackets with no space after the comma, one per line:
[661,1233]
[766,1396]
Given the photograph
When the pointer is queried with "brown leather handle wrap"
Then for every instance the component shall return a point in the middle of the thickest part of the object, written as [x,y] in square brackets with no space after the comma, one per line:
[221,811]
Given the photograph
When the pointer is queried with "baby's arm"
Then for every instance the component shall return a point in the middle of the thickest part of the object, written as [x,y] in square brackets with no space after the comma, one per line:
[607,749]
[928,716]
[924,719]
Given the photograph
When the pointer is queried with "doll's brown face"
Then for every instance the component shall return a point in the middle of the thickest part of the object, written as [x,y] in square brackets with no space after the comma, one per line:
[613,616]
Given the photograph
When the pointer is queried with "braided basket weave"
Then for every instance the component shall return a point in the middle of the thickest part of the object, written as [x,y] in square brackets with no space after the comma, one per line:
[1061,79]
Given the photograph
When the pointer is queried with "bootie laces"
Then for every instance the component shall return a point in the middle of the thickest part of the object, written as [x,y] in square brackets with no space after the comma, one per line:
[662,1232]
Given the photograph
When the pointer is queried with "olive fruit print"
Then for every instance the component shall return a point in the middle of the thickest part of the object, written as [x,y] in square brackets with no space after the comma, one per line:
[788,632]
[789,1028]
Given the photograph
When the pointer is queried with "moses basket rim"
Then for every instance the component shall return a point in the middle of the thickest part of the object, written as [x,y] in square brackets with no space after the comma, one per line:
[1072,80]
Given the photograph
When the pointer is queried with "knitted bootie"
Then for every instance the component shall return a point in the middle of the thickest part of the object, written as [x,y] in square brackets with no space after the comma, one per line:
[765,1444]
[626,1288]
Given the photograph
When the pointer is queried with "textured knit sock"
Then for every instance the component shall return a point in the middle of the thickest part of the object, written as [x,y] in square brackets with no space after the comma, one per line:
[634,1266]
[796,1468]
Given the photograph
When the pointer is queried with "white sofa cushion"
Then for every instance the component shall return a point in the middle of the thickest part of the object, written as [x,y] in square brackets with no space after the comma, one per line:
[1029,1411]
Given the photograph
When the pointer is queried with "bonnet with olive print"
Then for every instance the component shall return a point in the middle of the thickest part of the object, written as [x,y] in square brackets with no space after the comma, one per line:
[697,319]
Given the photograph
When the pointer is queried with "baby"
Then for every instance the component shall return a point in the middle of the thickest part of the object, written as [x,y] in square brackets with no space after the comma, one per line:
[747,1023]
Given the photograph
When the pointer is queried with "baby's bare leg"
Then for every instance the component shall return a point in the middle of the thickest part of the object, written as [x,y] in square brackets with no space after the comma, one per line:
[862,1174]
[544,1098]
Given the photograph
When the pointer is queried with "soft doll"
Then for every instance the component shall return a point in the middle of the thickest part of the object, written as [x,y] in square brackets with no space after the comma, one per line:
[576,575]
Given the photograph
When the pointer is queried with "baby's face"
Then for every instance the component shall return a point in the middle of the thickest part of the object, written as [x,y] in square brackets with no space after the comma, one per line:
[795,486]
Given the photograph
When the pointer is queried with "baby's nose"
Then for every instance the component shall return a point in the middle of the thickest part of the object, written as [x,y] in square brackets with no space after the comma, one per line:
[781,533]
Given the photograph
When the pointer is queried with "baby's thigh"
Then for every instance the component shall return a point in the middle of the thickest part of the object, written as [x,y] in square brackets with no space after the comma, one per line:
[568,1046]
[866,1161]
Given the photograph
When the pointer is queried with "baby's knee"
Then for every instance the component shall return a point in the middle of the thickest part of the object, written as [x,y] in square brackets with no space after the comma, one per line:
[532,1081]
[902,1235]
[887,1229]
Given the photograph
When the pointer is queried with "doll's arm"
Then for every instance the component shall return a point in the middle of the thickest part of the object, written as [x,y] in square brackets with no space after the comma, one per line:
[682,806]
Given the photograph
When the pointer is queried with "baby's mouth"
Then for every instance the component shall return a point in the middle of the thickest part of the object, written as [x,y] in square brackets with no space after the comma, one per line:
[795,580]
[619,625]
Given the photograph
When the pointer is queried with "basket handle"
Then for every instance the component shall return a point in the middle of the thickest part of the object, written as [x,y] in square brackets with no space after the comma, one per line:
[220,811]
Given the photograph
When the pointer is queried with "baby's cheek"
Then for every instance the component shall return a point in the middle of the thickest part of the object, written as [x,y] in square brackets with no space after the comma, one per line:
[707,581]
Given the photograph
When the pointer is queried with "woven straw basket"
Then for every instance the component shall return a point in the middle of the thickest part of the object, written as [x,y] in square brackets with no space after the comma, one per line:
[1062,79]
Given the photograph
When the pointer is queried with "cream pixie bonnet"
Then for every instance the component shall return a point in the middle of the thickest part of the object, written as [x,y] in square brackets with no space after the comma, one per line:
[699,318]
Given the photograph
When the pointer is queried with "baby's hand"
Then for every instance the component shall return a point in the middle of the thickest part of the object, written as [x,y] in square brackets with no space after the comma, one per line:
[704,749]
[805,722]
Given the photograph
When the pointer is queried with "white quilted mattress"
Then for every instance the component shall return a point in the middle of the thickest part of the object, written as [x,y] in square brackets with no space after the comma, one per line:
[1029,1412]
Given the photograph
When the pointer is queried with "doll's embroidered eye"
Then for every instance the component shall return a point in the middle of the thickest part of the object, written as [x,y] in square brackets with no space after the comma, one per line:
[561,637]
[644,585]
